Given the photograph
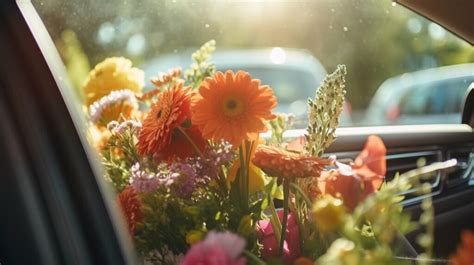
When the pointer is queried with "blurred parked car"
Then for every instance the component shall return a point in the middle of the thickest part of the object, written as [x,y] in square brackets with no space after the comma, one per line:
[293,74]
[424,97]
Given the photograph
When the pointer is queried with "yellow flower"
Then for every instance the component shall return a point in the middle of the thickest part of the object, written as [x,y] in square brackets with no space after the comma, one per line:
[256,179]
[341,252]
[246,226]
[113,73]
[328,213]
[194,236]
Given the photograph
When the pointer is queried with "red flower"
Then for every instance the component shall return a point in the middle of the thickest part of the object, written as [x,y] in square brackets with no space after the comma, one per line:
[163,129]
[130,205]
[465,252]
[355,182]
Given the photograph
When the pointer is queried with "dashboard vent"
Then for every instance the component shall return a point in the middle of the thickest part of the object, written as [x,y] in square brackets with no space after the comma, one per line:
[464,169]
[403,162]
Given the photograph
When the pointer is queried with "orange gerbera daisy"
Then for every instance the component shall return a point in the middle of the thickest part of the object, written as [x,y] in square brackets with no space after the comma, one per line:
[232,107]
[130,205]
[465,252]
[278,162]
[164,127]
[162,79]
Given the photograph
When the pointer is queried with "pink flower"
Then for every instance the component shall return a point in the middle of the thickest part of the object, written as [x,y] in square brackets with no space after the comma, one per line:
[217,249]
[291,246]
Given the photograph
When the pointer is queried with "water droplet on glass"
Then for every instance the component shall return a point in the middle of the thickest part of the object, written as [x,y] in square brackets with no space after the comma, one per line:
[136,44]
[106,33]
[436,31]
[414,25]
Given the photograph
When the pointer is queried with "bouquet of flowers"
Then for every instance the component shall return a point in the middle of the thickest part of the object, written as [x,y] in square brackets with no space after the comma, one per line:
[198,182]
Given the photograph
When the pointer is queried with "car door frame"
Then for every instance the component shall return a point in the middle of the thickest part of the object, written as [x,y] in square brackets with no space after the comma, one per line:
[80,222]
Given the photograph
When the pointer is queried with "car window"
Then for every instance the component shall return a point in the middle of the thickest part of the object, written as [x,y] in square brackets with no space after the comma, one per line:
[435,98]
[384,46]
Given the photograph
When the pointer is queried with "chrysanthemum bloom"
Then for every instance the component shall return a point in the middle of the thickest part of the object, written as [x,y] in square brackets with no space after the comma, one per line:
[217,249]
[163,128]
[232,107]
[355,182]
[130,205]
[118,104]
[113,73]
[465,252]
[278,162]
[291,246]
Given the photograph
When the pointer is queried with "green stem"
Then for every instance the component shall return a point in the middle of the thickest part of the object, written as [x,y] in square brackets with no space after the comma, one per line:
[286,193]
[299,216]
[244,183]
[253,258]
[298,190]
[248,149]
[274,220]
[191,141]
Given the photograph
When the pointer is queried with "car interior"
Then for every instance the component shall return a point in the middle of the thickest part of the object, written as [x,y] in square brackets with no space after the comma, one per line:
[56,209]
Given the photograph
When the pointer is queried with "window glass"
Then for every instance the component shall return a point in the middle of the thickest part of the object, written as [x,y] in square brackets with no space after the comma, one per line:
[402,68]
[441,100]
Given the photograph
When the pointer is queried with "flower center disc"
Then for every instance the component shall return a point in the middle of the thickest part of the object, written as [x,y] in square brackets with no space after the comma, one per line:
[162,115]
[232,107]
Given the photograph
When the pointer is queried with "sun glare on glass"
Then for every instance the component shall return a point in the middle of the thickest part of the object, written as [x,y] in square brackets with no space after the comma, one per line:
[278,55]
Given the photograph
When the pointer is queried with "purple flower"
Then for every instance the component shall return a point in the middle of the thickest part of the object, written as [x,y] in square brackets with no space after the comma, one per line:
[143,181]
[220,154]
[207,168]
[182,176]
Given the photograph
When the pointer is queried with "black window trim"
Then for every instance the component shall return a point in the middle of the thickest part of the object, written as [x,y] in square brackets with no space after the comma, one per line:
[82,216]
